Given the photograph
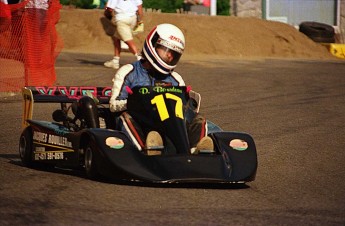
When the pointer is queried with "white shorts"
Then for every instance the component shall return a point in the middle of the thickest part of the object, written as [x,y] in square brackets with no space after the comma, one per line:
[124,28]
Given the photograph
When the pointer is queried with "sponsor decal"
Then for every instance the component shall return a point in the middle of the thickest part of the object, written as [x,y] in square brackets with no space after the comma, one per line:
[73,92]
[40,149]
[52,155]
[58,140]
[40,137]
[160,89]
[114,142]
[51,139]
[144,91]
[174,38]
[238,144]
[46,143]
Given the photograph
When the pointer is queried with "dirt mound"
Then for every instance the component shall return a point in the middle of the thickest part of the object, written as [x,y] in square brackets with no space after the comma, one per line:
[85,31]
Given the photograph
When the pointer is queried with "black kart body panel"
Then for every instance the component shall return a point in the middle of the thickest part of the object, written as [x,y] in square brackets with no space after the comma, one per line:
[234,159]
[178,167]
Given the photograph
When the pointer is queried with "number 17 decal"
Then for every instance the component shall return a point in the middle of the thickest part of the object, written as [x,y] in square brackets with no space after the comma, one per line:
[161,106]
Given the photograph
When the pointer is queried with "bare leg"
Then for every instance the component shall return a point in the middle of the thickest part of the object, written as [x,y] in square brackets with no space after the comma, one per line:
[117,46]
[132,47]
[115,62]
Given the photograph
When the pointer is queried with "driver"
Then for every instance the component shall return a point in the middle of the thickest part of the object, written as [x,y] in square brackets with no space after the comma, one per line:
[163,48]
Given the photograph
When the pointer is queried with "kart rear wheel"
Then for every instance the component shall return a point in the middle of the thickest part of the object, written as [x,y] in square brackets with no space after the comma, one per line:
[26,151]
[25,147]
[90,161]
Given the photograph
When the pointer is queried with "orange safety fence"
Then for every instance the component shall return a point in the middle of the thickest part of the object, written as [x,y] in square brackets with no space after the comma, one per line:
[29,45]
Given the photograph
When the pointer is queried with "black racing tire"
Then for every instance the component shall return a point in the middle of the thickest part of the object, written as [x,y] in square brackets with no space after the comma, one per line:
[26,151]
[25,147]
[90,161]
[323,40]
[318,32]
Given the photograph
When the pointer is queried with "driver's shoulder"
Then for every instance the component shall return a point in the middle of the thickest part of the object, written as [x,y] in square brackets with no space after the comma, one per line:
[178,78]
[125,70]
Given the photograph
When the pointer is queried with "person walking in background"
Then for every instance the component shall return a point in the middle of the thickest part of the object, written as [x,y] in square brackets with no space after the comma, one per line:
[125,15]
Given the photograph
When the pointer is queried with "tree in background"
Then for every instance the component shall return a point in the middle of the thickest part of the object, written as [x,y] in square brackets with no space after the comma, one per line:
[223,7]
[167,6]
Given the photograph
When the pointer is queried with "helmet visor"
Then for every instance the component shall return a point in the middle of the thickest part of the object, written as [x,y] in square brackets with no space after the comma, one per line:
[169,56]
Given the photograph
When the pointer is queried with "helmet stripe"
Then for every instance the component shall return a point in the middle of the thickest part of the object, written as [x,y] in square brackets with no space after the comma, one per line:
[153,60]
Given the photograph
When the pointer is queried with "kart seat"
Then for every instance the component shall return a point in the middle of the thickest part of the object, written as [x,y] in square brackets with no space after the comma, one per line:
[88,112]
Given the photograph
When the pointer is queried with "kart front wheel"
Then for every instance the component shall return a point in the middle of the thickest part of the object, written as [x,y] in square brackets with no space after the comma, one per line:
[90,161]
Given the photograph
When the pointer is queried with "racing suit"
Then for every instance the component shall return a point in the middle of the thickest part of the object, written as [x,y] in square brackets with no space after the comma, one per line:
[133,75]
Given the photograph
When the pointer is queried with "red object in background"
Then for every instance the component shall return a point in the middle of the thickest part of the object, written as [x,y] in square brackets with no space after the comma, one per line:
[5,10]
[29,45]
[207,3]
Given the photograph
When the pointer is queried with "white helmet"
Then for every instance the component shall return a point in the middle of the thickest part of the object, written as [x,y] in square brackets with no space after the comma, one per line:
[163,47]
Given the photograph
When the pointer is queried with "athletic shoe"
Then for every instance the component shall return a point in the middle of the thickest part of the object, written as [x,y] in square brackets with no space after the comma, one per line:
[138,56]
[205,145]
[114,63]
[154,143]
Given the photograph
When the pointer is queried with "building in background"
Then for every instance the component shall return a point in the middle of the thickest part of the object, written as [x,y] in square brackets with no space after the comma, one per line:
[294,12]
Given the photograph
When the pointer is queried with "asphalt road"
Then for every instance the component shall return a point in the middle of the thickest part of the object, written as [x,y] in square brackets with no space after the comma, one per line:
[293,109]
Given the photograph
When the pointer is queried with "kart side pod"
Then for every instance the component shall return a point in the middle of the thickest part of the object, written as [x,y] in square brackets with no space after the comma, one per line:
[239,151]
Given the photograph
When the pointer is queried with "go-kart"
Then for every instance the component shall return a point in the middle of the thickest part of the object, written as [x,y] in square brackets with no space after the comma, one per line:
[84,135]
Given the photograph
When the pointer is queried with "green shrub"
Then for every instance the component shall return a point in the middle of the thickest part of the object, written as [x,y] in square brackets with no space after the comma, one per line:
[83,4]
[65,2]
[166,6]
[223,7]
